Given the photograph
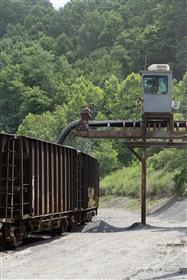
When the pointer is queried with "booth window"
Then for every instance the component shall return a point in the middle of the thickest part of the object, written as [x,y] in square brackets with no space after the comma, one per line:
[155,84]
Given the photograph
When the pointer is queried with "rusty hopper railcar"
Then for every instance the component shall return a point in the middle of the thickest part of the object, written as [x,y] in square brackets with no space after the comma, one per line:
[44,187]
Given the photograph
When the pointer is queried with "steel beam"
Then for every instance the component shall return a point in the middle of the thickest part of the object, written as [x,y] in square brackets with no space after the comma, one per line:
[153,131]
[92,133]
[134,152]
[130,133]
[138,144]
[143,190]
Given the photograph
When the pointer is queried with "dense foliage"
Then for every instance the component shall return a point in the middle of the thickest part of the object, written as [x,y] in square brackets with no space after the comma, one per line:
[54,63]
[166,176]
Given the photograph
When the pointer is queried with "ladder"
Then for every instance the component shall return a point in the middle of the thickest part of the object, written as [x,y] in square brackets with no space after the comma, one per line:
[7,180]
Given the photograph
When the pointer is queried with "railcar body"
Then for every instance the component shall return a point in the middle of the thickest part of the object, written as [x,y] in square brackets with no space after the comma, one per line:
[44,187]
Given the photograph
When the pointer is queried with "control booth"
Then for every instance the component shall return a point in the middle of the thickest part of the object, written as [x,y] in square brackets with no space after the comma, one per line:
[157,89]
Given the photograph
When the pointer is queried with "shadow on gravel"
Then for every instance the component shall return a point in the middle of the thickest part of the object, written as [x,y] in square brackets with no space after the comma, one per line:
[33,241]
[101,226]
[92,227]
[39,239]
[181,273]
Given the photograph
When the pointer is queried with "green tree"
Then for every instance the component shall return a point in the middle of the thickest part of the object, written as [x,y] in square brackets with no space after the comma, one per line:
[113,25]
[38,126]
[89,33]
[35,101]
[38,67]
[11,95]
[124,99]
[180,94]
[107,157]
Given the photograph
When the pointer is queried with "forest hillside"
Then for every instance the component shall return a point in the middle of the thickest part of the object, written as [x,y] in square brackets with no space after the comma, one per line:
[53,63]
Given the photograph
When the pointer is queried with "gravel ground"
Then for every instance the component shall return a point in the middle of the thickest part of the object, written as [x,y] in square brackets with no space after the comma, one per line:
[108,248]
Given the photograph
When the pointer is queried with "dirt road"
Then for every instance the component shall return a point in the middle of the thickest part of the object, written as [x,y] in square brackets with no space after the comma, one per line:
[105,249]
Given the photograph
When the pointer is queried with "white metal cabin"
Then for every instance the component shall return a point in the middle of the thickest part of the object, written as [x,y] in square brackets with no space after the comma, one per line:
[157,89]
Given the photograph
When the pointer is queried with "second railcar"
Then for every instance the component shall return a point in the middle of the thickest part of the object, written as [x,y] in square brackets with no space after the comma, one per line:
[44,187]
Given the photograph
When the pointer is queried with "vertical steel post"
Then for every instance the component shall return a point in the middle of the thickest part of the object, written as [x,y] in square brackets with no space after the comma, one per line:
[143,190]
[21,180]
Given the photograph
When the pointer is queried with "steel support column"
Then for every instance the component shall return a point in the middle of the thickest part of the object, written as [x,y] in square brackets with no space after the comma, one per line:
[154,130]
[143,189]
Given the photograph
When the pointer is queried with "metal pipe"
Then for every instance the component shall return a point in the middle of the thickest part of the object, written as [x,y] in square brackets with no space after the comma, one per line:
[67,131]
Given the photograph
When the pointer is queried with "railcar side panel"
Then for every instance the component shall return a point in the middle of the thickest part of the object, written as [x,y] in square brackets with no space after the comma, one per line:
[88,181]
[52,176]
[44,186]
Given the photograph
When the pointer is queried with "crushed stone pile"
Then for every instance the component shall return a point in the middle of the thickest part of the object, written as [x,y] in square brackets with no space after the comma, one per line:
[102,226]
[174,210]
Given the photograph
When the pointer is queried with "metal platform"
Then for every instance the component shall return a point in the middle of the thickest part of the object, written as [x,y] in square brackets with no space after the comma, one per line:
[153,131]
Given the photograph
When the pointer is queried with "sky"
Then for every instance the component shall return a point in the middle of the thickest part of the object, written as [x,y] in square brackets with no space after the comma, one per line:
[58,3]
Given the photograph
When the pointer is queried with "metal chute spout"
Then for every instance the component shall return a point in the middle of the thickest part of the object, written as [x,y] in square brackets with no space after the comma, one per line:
[67,131]
[85,116]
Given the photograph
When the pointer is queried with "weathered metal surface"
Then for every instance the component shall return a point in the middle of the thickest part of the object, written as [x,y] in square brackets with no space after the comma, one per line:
[143,187]
[139,144]
[152,126]
[7,176]
[39,186]
[53,175]
[156,124]
[138,133]
[131,133]
[88,191]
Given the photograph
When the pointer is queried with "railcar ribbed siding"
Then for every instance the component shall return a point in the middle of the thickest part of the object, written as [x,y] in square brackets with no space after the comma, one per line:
[53,177]
[88,178]
[43,186]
